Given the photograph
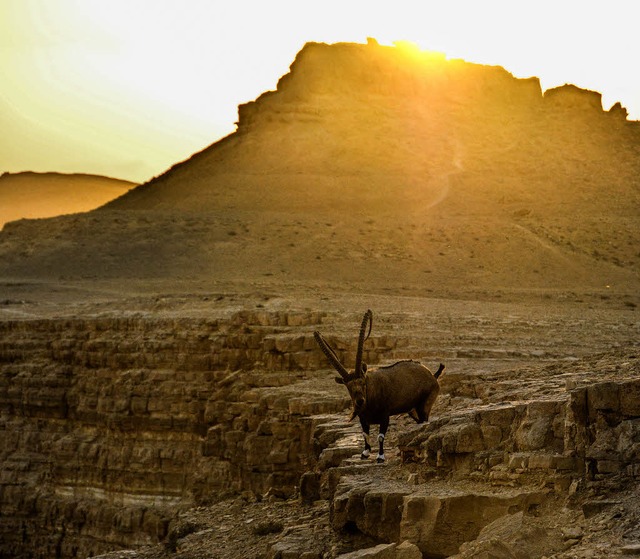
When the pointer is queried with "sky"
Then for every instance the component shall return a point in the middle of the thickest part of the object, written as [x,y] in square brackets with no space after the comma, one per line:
[127,88]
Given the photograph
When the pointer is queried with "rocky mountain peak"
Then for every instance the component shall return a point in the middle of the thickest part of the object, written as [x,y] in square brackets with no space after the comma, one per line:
[454,168]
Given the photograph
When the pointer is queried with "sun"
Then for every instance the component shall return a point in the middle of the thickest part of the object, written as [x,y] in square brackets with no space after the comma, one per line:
[148,83]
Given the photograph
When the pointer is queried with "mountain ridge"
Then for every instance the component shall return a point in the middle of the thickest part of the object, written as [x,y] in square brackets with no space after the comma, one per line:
[31,195]
[384,168]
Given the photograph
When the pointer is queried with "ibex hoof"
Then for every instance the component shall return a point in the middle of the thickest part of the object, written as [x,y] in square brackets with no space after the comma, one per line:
[365,455]
[380,458]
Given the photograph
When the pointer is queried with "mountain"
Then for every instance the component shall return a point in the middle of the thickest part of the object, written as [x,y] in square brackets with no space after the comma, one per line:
[378,168]
[37,195]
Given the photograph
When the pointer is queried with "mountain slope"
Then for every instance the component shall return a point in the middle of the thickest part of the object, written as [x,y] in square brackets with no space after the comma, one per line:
[378,168]
[37,195]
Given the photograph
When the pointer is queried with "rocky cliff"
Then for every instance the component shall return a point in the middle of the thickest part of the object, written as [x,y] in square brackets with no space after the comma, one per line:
[484,477]
[112,426]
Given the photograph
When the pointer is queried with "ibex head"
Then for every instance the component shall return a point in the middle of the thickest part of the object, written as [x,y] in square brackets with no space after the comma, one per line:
[356,382]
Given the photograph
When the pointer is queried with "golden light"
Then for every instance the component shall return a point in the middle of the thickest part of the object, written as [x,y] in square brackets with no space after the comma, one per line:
[136,86]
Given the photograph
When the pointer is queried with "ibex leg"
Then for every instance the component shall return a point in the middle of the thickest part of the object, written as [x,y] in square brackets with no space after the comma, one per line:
[384,425]
[367,441]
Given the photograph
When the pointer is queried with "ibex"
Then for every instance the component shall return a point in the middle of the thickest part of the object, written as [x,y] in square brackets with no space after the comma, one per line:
[404,387]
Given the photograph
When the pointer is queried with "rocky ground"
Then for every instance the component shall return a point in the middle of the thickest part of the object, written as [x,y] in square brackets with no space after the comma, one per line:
[500,351]
[588,518]
[600,523]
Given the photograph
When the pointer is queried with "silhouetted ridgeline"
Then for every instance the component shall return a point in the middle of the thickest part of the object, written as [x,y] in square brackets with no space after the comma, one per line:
[404,75]
[31,195]
[363,110]
[375,134]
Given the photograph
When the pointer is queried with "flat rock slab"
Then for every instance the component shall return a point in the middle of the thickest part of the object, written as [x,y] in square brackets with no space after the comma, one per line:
[435,517]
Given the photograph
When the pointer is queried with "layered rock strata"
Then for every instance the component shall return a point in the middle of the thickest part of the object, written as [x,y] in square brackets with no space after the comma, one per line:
[109,426]
[466,469]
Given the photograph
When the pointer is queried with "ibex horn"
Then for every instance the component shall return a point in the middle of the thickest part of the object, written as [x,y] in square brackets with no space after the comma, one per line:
[330,355]
[368,317]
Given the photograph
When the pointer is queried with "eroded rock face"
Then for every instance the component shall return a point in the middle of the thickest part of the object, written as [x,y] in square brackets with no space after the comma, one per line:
[605,427]
[480,481]
[111,426]
[440,524]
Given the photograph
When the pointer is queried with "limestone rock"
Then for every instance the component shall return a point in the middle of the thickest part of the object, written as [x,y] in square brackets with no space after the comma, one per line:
[404,550]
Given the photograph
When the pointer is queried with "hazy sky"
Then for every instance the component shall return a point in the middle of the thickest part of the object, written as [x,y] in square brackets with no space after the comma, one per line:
[127,88]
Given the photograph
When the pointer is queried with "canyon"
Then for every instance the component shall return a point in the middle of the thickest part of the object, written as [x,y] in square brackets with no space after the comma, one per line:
[161,393]
[115,425]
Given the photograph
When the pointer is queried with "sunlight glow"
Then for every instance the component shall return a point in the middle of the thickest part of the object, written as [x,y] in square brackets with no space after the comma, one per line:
[129,87]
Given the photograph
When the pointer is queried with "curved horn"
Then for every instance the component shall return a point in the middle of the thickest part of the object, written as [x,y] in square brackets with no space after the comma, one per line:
[368,317]
[330,355]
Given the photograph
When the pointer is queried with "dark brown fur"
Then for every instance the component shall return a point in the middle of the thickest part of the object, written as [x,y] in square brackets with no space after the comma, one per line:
[404,387]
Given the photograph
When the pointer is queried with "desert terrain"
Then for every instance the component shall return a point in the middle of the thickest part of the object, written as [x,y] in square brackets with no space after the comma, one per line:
[35,195]
[162,394]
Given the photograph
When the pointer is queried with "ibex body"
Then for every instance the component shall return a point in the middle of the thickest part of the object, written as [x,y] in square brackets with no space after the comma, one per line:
[405,387]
